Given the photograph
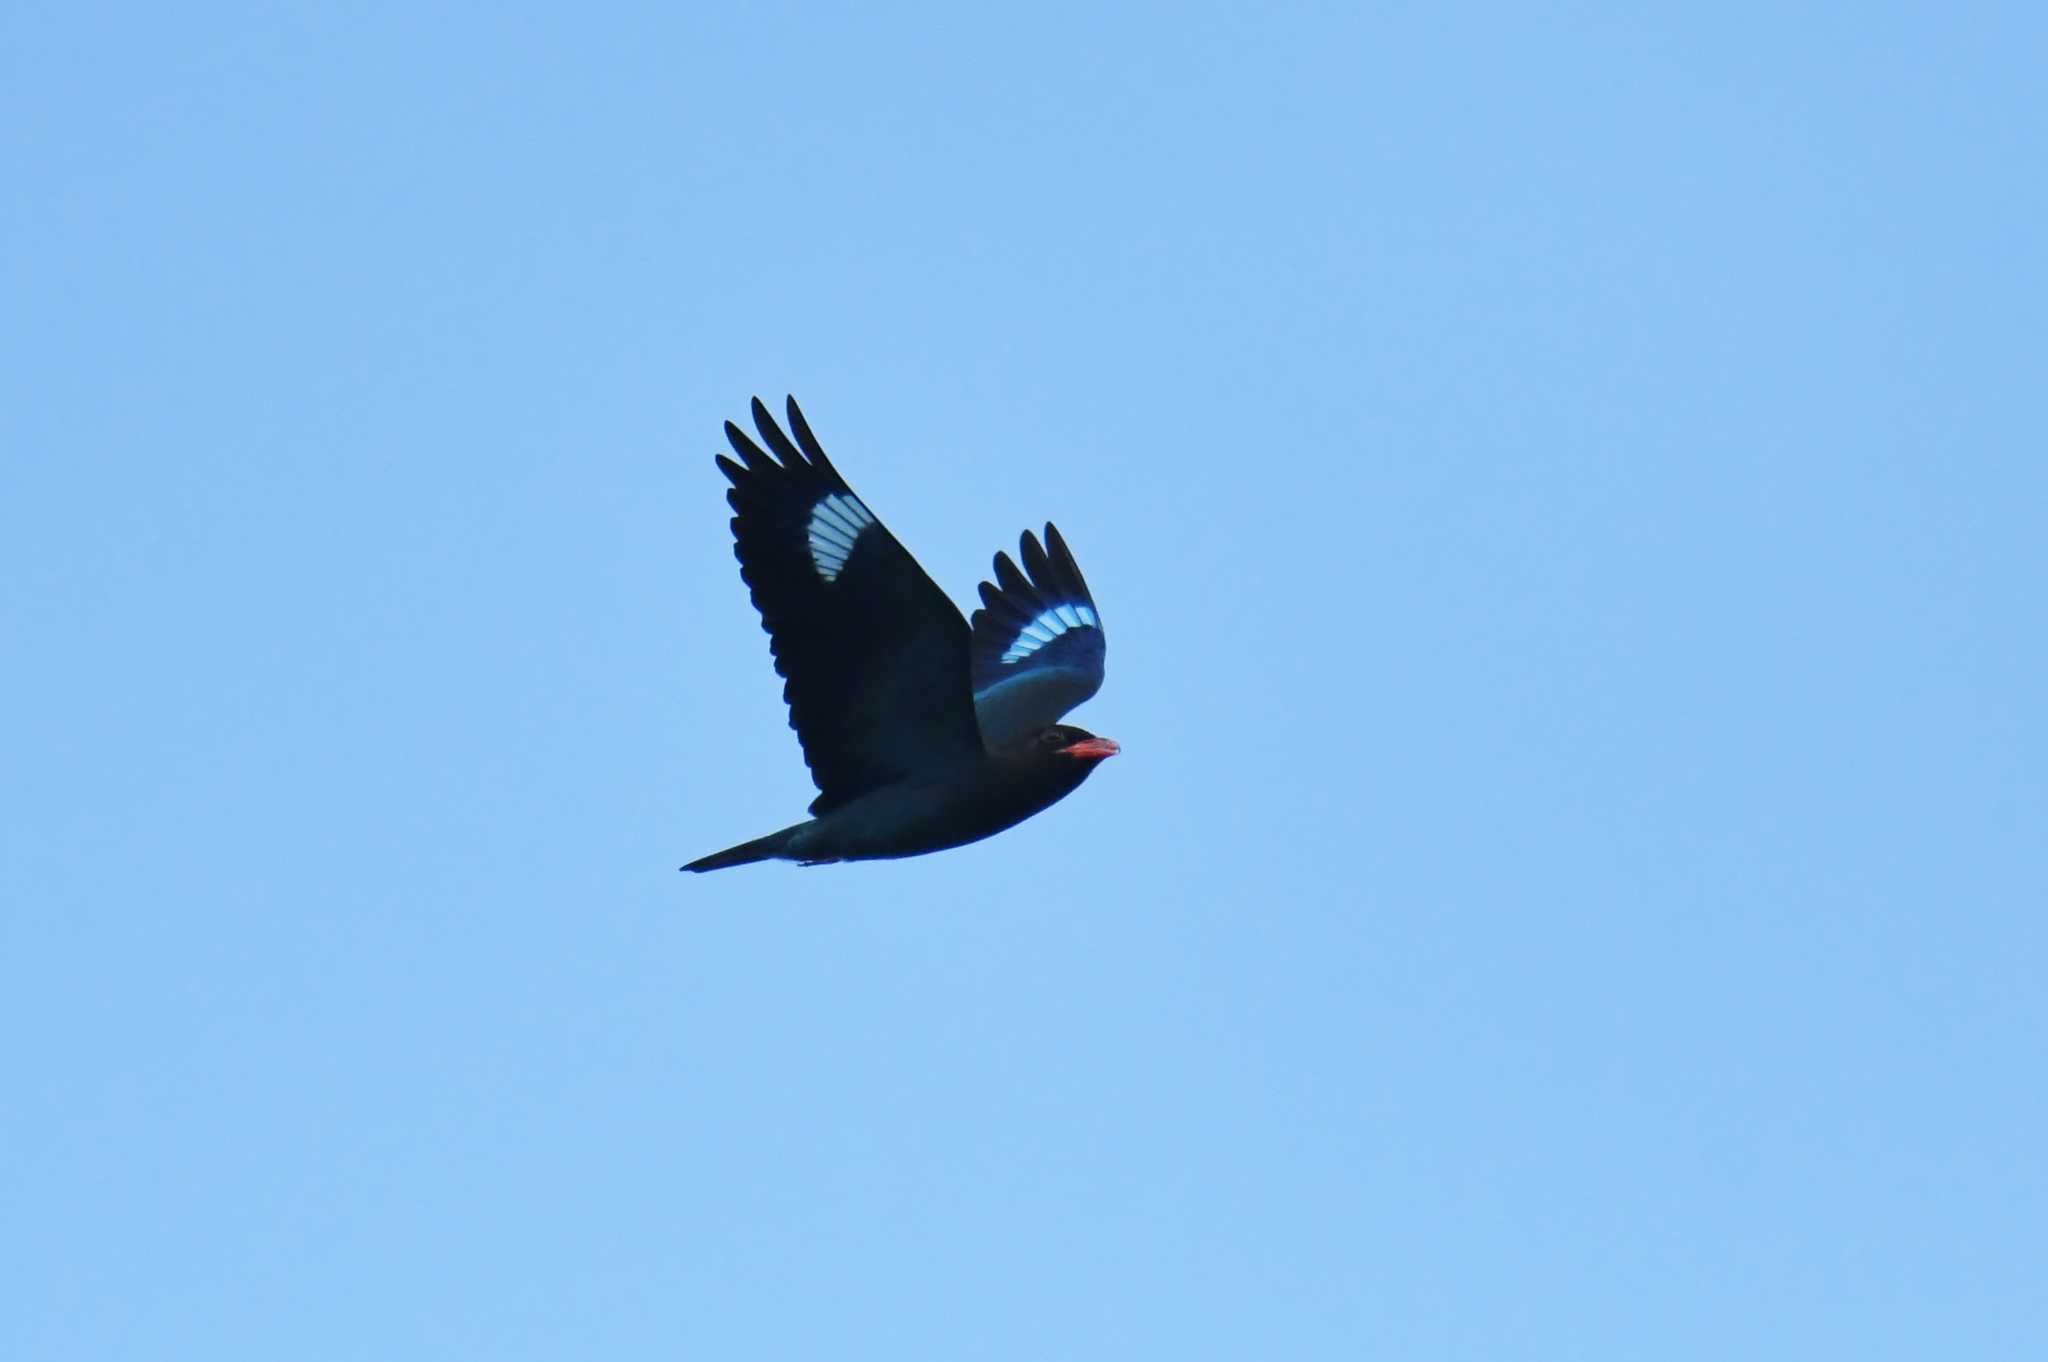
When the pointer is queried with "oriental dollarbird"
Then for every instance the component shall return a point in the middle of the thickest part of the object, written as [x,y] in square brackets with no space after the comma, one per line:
[922,731]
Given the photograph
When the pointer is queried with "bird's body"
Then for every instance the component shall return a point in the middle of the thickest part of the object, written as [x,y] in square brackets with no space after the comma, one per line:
[921,732]
[945,809]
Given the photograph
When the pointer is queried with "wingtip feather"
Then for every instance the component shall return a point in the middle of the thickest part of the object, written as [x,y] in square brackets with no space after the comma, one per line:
[1063,562]
[806,439]
[772,435]
[1011,580]
[1036,565]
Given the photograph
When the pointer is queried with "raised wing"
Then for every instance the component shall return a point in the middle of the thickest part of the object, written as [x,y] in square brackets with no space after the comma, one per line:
[874,654]
[1037,641]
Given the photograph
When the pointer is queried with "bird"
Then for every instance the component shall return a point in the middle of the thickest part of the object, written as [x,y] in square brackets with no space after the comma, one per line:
[922,731]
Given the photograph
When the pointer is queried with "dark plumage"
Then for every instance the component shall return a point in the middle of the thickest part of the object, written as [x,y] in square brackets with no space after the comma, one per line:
[921,732]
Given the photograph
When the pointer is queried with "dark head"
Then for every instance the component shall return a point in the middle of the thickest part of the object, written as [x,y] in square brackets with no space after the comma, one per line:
[1072,744]
[1059,755]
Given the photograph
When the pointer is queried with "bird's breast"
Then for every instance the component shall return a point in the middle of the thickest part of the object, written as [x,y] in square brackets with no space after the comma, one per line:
[911,818]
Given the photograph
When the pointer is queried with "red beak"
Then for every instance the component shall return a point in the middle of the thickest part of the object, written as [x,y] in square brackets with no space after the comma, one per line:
[1095,749]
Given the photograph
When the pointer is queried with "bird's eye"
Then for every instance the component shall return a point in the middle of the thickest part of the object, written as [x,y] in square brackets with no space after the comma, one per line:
[1053,737]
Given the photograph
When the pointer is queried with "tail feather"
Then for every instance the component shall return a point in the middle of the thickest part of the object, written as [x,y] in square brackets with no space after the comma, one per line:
[746,853]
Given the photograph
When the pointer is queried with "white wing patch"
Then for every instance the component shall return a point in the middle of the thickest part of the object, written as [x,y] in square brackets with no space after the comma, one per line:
[1049,626]
[836,522]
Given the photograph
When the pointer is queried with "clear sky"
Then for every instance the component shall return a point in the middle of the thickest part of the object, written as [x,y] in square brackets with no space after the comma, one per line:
[1566,491]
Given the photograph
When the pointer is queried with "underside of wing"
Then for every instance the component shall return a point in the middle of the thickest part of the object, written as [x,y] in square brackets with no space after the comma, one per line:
[1038,644]
[875,657]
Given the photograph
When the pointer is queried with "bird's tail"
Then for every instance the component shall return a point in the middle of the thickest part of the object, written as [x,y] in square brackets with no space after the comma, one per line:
[746,853]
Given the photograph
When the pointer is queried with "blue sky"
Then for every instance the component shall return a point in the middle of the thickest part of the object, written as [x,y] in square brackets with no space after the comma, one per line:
[1565,491]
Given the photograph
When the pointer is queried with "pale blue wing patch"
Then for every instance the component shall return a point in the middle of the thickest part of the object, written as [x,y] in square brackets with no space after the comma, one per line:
[836,525]
[1048,626]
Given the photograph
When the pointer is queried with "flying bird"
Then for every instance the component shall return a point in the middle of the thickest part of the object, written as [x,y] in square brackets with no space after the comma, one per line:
[922,731]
